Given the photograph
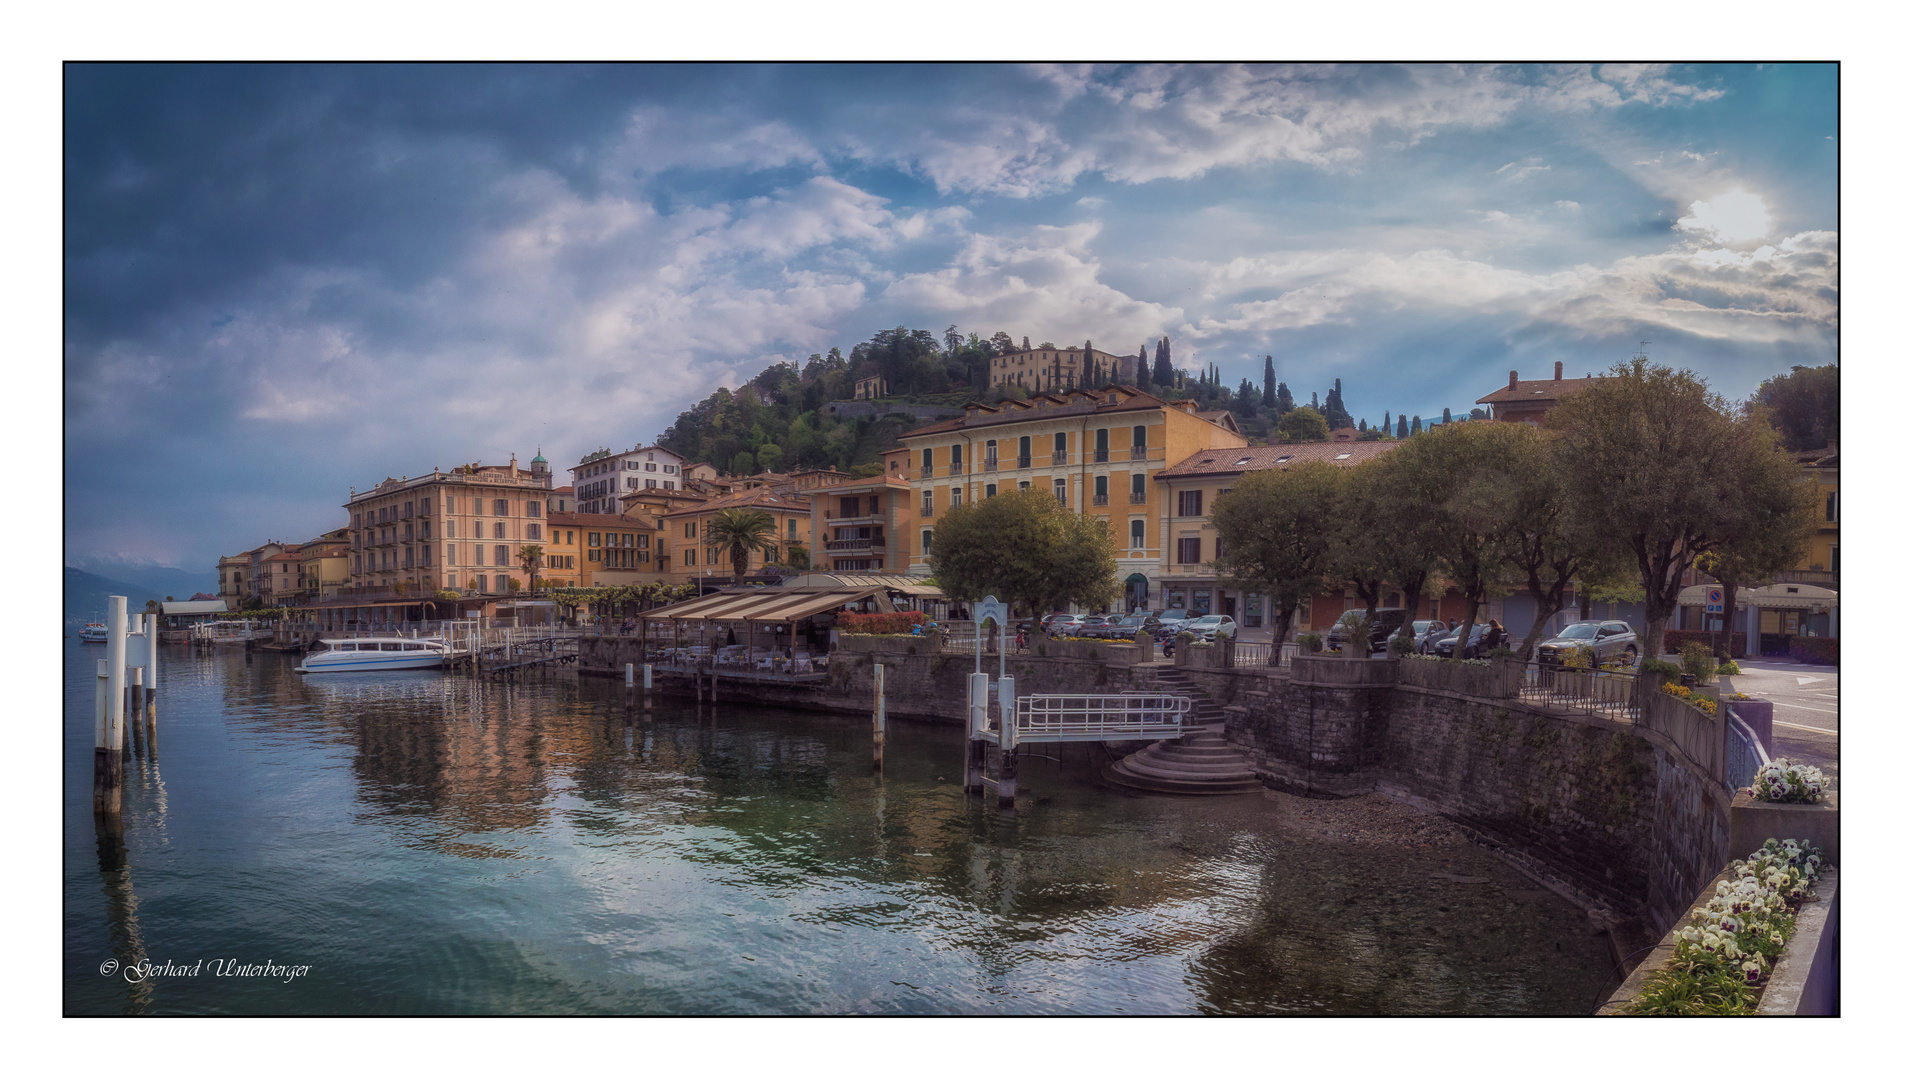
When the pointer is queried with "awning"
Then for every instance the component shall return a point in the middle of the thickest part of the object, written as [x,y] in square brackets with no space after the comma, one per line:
[895,583]
[1779,596]
[193,607]
[763,605]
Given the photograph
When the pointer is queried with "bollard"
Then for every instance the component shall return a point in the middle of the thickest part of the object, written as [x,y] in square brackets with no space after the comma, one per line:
[879,714]
[1009,750]
[646,690]
[108,773]
[136,709]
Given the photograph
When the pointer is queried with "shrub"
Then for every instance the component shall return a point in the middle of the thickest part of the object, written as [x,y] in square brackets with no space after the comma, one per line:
[1666,671]
[1400,645]
[1674,640]
[879,622]
[1308,642]
[1696,660]
[1185,637]
[1728,668]
[1815,650]
[446,594]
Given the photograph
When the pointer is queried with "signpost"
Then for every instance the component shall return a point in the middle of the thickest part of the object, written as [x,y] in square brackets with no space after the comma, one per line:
[1716,602]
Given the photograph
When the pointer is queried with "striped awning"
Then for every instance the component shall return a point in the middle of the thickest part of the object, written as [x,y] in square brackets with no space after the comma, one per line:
[1779,596]
[765,605]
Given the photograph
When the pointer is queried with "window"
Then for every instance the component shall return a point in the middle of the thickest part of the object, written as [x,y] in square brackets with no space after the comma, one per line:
[1136,534]
[453,554]
[955,460]
[593,539]
[479,506]
[873,504]
[793,528]
[533,531]
[426,555]
[1059,447]
[1189,504]
[500,555]
[499,530]
[1219,548]
[1833,506]
[356,521]
[1833,562]
[479,554]
[689,553]
[992,490]
[1060,489]
[926,503]
[533,508]
[1100,445]
[690,530]
[499,583]
[926,541]
[669,470]
[993,453]
[569,562]
[1099,491]
[666,485]
[1189,549]
[499,508]
[1024,485]
[1140,436]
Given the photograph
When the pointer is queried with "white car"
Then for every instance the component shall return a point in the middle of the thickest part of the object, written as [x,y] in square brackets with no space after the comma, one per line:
[1206,626]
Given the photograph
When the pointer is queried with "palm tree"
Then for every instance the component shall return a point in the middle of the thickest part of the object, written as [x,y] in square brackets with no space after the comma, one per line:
[740,530]
[530,558]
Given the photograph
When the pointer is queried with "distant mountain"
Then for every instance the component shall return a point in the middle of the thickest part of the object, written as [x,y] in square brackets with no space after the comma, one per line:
[85,596]
[161,581]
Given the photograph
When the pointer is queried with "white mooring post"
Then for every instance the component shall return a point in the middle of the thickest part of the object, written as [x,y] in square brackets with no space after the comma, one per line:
[879,714]
[108,772]
[974,768]
[646,691]
[1009,751]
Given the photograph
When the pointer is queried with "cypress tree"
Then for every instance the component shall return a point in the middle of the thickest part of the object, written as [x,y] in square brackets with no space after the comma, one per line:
[1163,362]
[1266,396]
[1446,416]
[1386,422]
[1337,415]
[1402,432]
[1416,425]
[1141,374]
[1025,345]
[1086,365]
[1283,399]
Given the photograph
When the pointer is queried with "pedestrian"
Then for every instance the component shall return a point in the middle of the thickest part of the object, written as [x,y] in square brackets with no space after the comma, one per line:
[1495,634]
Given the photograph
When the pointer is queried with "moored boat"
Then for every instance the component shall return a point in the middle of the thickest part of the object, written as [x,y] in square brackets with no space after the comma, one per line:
[373,654]
[94,632]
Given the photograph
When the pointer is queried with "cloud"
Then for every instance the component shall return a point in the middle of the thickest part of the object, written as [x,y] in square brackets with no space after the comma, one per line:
[1728,217]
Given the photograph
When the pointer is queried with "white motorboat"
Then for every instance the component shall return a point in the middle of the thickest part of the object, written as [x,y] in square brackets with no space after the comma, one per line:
[373,654]
[94,632]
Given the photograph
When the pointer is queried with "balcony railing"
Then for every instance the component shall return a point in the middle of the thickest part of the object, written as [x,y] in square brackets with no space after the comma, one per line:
[992,465]
[926,472]
[857,545]
[1099,456]
[1099,500]
[1024,461]
[1059,457]
[955,469]
[925,510]
[1136,498]
[1139,453]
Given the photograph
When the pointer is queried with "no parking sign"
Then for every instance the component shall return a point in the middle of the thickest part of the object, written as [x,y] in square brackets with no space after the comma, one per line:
[1716,603]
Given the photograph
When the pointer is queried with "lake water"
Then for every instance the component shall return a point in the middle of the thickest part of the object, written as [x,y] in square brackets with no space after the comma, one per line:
[423,843]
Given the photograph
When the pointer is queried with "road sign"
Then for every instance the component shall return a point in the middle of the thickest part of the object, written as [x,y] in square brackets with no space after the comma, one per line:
[989,608]
[1716,604]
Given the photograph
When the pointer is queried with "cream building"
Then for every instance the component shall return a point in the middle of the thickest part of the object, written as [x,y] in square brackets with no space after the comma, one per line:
[456,529]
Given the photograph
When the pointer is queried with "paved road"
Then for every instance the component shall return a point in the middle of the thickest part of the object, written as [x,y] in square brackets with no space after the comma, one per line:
[1806,709]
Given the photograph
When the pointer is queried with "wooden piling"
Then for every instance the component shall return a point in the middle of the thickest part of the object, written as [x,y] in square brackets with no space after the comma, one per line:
[1009,749]
[879,715]
[646,691]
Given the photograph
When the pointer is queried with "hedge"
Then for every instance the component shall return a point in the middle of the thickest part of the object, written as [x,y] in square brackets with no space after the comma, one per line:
[880,622]
[1815,650]
[1673,639]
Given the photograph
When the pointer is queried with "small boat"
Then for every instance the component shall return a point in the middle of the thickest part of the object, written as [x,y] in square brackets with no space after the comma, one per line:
[94,632]
[373,654]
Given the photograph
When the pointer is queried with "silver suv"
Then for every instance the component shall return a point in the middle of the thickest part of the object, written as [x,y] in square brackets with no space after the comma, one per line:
[1609,641]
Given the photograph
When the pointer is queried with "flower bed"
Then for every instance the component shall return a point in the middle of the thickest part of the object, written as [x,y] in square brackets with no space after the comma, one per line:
[1815,650]
[1726,950]
[1699,701]
[1783,781]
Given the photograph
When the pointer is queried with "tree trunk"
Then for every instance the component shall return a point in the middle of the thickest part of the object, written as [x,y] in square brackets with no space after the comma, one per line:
[1726,622]
[1466,625]
[1283,620]
[1586,604]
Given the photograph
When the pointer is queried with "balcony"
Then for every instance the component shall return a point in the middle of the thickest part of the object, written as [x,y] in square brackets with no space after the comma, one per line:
[1099,456]
[926,511]
[956,469]
[1099,500]
[1024,461]
[1136,498]
[857,545]
[1139,453]
[926,472]
[1059,457]
[992,465]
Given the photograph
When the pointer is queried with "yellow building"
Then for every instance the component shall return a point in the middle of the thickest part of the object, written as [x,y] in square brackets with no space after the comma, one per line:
[866,526]
[1096,451]
[458,529]
[325,565]
[1188,488]
[606,549]
[693,558]
[1822,564]
[233,571]
[1048,368]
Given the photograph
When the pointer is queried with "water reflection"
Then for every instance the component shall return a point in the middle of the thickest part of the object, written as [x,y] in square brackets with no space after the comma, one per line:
[538,846]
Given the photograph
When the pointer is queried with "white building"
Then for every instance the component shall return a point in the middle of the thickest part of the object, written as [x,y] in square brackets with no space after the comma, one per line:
[603,476]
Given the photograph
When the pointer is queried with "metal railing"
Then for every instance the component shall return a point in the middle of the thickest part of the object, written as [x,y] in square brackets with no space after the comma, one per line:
[1139,453]
[1059,457]
[926,472]
[1024,461]
[1255,654]
[1099,500]
[1745,755]
[1099,718]
[1136,498]
[1598,693]
[1099,456]
[955,468]
[992,465]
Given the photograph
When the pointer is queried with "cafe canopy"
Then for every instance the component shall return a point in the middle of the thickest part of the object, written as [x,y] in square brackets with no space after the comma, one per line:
[772,605]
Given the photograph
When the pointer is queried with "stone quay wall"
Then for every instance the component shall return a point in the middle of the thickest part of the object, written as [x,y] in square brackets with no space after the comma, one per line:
[1608,813]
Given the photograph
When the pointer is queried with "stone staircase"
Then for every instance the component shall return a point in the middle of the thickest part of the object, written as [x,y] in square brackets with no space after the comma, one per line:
[1201,763]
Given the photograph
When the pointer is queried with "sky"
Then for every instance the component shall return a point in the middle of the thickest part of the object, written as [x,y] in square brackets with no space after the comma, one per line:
[283,281]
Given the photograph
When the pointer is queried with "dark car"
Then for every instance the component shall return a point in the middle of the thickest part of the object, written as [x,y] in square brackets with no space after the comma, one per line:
[1428,631]
[1385,623]
[1124,627]
[1476,643]
[1611,640]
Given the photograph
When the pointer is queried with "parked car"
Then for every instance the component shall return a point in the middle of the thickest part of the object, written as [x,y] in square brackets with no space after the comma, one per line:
[1207,627]
[1172,618]
[1093,626]
[1428,631]
[1122,628]
[1476,643]
[1385,623]
[1608,640]
[1060,624]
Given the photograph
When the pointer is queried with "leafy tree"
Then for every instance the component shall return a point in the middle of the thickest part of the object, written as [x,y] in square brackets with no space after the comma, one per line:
[1267,400]
[530,557]
[1244,400]
[1026,548]
[1667,473]
[1303,425]
[741,530]
[1002,344]
[1477,414]
[1802,405]
[742,464]
[1275,528]
[1336,410]
[1540,546]
[1783,514]
[1471,503]
[1386,531]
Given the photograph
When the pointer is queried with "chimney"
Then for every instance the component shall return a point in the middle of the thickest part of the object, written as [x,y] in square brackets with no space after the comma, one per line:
[1513,380]
[1556,370]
